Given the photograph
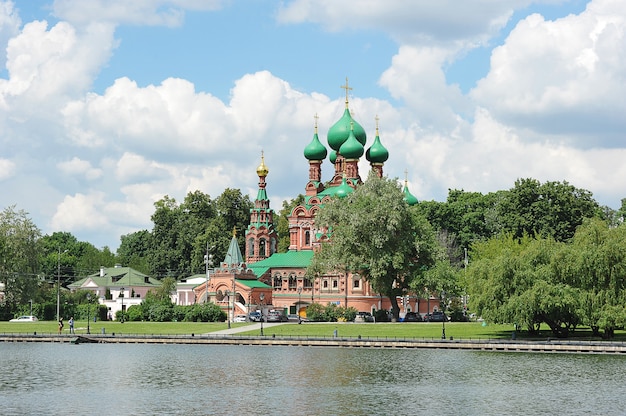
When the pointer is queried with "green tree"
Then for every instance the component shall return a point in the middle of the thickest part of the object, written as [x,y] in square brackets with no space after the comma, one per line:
[134,250]
[19,262]
[376,234]
[552,209]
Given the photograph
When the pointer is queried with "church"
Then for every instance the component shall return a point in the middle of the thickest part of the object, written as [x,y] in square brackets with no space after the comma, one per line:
[266,279]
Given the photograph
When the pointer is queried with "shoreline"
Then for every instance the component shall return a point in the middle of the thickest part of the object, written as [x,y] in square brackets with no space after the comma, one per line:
[548,346]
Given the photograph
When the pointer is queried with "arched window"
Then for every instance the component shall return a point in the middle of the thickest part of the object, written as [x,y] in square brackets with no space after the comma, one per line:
[307,238]
[293,282]
[278,282]
[262,252]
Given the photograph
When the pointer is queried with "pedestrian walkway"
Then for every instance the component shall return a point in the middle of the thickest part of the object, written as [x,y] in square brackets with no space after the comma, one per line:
[245,328]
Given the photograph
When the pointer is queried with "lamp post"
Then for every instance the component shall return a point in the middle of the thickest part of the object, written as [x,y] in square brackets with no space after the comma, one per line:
[228,308]
[31,307]
[261,297]
[88,310]
[59,283]
[299,300]
[208,260]
[443,322]
[122,296]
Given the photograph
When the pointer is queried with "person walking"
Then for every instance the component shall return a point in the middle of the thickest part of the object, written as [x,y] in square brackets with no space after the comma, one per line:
[60,325]
[71,321]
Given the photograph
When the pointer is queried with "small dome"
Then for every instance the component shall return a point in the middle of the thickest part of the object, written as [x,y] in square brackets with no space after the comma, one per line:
[408,196]
[377,153]
[340,131]
[315,150]
[262,170]
[333,157]
[344,189]
[351,148]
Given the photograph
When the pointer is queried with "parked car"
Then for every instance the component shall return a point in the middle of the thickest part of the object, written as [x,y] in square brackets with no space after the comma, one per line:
[276,316]
[240,318]
[412,317]
[364,317]
[25,318]
[255,316]
[438,317]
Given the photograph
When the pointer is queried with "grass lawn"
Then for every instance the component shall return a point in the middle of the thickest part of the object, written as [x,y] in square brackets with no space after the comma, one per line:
[419,330]
[110,327]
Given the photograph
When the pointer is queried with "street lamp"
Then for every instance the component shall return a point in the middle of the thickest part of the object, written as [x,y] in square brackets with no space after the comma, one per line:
[59,283]
[228,308]
[122,296]
[261,297]
[299,300]
[443,322]
[88,310]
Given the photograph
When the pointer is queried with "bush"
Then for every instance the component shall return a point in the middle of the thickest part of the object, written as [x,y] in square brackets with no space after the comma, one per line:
[134,313]
[204,312]
[330,313]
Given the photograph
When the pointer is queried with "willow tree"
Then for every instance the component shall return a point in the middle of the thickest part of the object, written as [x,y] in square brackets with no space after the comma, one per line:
[373,232]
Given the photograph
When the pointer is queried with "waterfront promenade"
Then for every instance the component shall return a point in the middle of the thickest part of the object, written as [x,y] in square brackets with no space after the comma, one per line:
[234,336]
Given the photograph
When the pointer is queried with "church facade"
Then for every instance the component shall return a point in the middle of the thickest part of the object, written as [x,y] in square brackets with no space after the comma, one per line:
[267,279]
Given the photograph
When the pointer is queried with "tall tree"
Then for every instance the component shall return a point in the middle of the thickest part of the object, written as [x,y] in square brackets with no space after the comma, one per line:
[19,263]
[134,250]
[376,234]
[552,209]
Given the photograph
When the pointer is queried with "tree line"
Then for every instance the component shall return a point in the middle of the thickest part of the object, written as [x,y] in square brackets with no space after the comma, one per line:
[399,249]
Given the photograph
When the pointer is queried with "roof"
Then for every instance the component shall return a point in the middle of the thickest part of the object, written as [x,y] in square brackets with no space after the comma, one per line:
[291,258]
[117,276]
[253,283]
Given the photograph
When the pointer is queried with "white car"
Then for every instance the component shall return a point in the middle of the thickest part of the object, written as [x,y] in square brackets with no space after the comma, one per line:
[240,318]
[24,319]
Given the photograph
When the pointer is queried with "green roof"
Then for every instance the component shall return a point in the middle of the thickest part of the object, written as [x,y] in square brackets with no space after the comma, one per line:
[253,283]
[291,258]
[119,276]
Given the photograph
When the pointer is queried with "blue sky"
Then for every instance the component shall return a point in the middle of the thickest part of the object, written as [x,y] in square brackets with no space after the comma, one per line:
[107,106]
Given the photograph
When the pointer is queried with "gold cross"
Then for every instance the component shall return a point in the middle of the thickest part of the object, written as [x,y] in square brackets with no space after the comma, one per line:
[347,88]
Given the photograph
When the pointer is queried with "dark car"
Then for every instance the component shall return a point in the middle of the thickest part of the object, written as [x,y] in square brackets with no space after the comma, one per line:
[255,316]
[412,317]
[276,316]
[438,317]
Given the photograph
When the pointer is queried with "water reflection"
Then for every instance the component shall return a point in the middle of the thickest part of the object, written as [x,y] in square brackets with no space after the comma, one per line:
[204,379]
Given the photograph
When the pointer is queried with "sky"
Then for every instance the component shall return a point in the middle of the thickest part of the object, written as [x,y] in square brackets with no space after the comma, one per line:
[107,106]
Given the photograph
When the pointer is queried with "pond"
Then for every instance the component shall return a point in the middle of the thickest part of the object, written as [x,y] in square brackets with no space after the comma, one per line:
[146,379]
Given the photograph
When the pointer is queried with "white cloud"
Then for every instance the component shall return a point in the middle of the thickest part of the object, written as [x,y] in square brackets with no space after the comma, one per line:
[10,23]
[76,166]
[137,12]
[424,23]
[80,212]
[564,77]
[7,169]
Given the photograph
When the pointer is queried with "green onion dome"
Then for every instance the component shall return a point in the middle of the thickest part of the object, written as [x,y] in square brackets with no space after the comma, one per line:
[408,197]
[340,131]
[377,153]
[344,189]
[315,150]
[333,157]
[351,148]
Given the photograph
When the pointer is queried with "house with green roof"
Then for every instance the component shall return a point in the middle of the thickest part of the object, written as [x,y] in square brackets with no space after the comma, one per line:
[117,287]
